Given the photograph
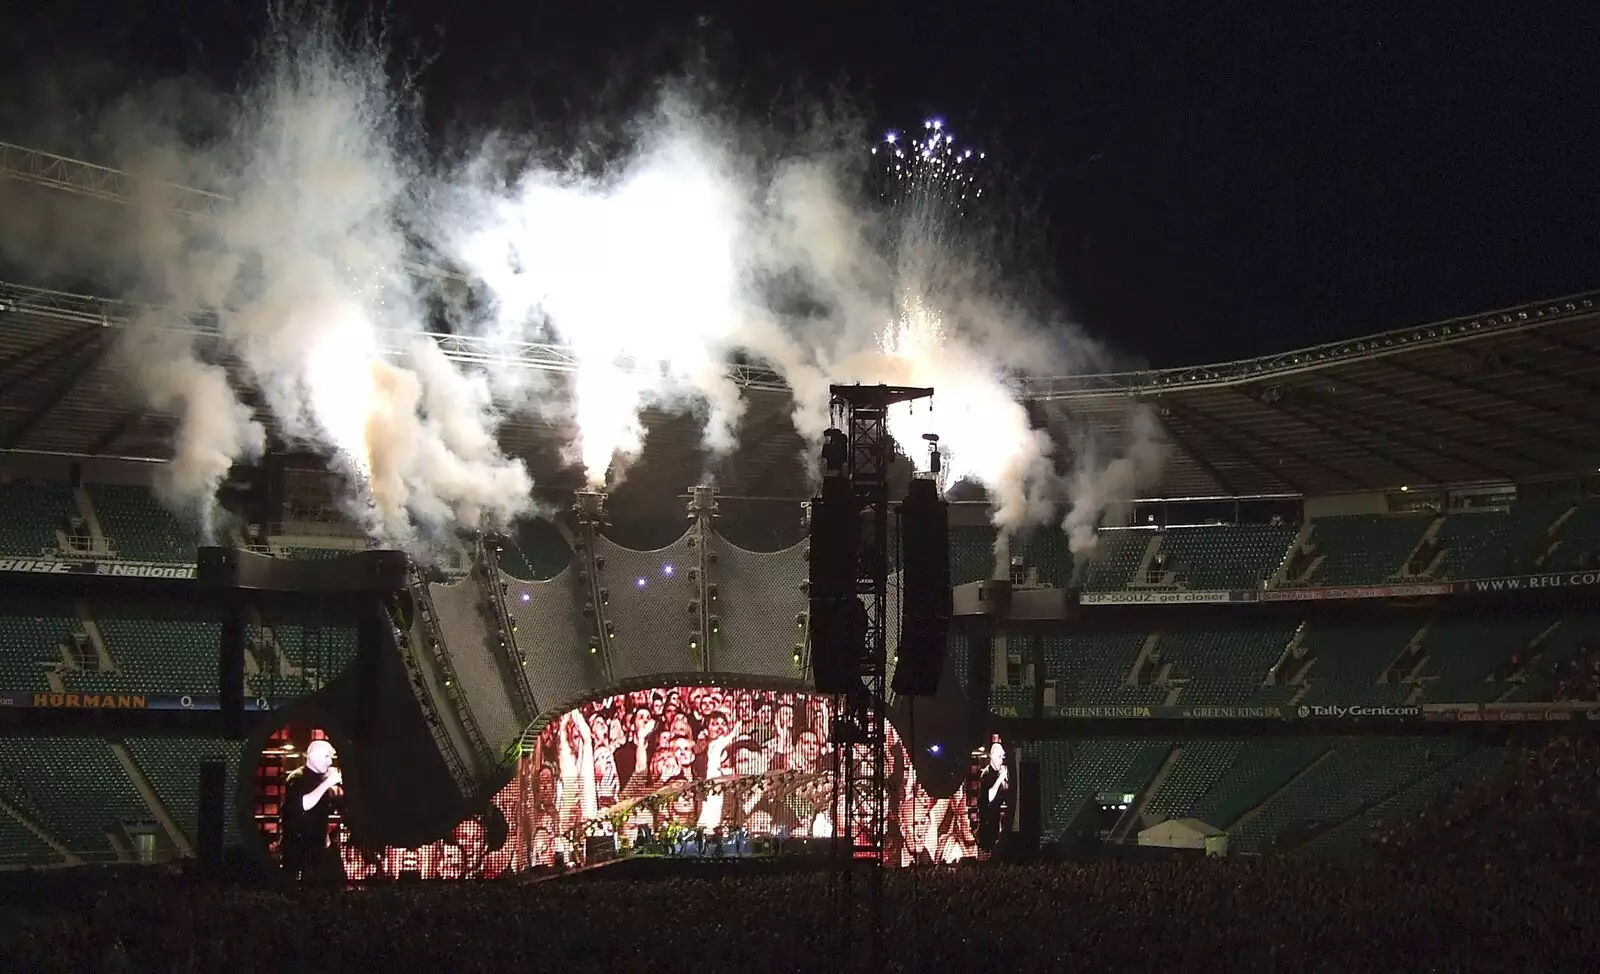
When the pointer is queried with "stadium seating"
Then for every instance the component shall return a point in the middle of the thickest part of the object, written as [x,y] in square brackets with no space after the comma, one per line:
[1348,662]
[140,528]
[1467,658]
[1350,777]
[29,644]
[33,513]
[1220,557]
[1115,558]
[1072,773]
[971,554]
[1578,540]
[20,847]
[75,787]
[1365,550]
[172,767]
[1257,772]
[1484,544]
[167,653]
[1198,767]
[1350,836]
[1222,666]
[1093,668]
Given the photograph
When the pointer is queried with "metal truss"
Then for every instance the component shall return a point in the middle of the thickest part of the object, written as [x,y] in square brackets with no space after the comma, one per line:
[860,728]
[87,179]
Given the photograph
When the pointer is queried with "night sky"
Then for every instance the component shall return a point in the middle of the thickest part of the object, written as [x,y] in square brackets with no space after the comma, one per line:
[1213,186]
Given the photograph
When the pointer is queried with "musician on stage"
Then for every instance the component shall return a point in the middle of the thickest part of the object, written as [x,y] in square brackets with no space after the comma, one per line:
[994,799]
[312,794]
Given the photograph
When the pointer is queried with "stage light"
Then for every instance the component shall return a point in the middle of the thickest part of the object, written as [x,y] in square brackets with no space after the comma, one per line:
[934,749]
[639,582]
[526,598]
[666,569]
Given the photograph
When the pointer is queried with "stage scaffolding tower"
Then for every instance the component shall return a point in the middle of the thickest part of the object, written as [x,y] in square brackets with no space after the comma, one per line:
[860,739]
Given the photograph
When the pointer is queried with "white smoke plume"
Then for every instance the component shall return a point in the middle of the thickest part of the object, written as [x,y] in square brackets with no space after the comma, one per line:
[300,257]
[705,238]
[1094,488]
[634,269]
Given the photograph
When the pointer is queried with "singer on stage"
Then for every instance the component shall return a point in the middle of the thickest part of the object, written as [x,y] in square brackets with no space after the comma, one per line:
[312,795]
[994,799]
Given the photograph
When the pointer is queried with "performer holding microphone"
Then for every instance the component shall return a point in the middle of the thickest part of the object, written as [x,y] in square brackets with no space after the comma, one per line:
[994,799]
[312,794]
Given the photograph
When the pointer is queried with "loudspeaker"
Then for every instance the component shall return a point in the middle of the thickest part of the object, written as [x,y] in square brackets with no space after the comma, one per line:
[213,812]
[838,619]
[1029,802]
[924,589]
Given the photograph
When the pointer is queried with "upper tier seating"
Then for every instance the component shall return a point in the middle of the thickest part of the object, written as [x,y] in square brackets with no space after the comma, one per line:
[1485,544]
[1116,557]
[1209,558]
[1222,666]
[1093,668]
[139,528]
[1468,657]
[1579,540]
[33,513]
[1363,549]
[172,652]
[1348,661]
[30,643]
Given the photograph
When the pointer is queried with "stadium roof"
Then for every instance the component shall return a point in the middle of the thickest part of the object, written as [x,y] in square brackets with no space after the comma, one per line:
[1513,395]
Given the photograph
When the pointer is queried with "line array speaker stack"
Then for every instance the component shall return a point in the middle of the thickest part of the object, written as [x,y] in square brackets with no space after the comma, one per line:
[213,812]
[924,590]
[838,619]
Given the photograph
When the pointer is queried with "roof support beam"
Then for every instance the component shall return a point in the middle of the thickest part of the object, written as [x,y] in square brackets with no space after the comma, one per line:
[1206,425]
[1467,415]
[125,424]
[1479,388]
[1386,428]
[86,359]
[1199,459]
[41,357]
[1285,405]
[1300,456]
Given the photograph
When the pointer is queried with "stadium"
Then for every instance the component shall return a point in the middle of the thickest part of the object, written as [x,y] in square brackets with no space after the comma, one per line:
[1367,574]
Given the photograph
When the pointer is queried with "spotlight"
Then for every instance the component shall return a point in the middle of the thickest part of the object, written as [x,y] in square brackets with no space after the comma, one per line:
[666,569]
[639,582]
[526,598]
[934,749]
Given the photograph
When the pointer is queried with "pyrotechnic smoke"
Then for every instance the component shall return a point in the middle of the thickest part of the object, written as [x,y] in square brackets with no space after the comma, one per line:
[634,269]
[299,259]
[650,269]
[1092,488]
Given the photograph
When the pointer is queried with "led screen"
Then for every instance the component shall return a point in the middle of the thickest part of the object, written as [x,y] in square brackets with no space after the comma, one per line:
[701,759]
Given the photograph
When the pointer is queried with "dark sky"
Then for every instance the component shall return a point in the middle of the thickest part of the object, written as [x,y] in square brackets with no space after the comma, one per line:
[1216,186]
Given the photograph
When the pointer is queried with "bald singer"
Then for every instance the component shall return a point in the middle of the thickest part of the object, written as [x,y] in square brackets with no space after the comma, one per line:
[311,796]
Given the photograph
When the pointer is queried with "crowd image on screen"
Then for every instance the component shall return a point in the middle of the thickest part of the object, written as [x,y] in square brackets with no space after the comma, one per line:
[645,760]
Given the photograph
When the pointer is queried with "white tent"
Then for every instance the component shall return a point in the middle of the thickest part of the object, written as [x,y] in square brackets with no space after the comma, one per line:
[1186,833]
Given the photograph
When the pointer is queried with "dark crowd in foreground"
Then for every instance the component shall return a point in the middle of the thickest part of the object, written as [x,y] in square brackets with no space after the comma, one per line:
[1497,876]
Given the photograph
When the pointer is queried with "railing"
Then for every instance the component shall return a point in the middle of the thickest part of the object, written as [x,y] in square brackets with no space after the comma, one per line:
[419,689]
[512,659]
[441,658]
